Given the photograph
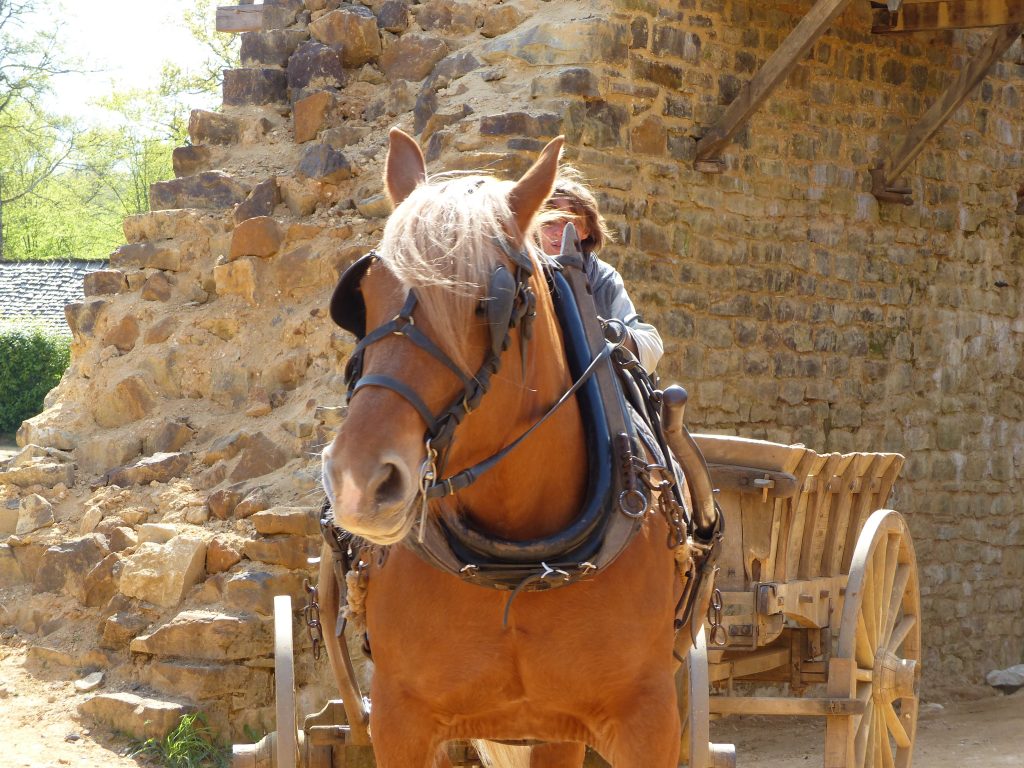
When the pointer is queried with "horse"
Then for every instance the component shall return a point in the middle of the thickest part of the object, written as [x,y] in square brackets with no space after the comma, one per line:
[587,664]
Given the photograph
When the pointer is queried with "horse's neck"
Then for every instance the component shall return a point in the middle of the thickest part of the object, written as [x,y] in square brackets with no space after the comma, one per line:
[538,488]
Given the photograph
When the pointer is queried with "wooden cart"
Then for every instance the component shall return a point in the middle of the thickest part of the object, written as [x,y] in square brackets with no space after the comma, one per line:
[817,594]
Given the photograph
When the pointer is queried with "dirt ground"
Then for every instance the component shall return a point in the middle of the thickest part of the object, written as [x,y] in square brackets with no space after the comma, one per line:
[39,728]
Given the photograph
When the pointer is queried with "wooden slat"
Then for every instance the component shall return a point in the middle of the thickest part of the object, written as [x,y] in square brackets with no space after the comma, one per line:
[782,513]
[756,518]
[809,465]
[839,515]
[948,14]
[770,705]
[240,18]
[819,511]
[745,452]
[796,45]
[730,560]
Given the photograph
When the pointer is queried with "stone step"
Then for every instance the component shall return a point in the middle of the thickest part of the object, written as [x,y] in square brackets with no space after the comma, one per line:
[255,86]
[207,190]
[205,635]
[270,48]
[141,717]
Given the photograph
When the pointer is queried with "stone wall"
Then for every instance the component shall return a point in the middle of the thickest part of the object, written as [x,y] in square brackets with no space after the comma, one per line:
[177,461]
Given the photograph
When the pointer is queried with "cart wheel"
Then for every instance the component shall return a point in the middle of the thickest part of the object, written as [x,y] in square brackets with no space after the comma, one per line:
[878,658]
[287,746]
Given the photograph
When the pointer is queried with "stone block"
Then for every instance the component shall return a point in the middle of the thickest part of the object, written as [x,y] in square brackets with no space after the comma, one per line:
[323,163]
[207,190]
[213,128]
[222,503]
[254,87]
[300,195]
[255,501]
[158,533]
[353,30]
[412,56]
[120,628]
[499,19]
[207,635]
[260,202]
[259,456]
[10,569]
[123,335]
[129,400]
[521,124]
[143,718]
[315,65]
[221,556]
[104,282]
[158,468]
[310,115]
[163,574]
[9,517]
[271,47]
[196,681]
[156,288]
[122,538]
[448,16]
[39,472]
[100,583]
[82,317]
[393,16]
[287,551]
[253,590]
[34,512]
[61,566]
[567,81]
[188,161]
[99,453]
[238,278]
[295,521]
[259,236]
[167,436]
[281,14]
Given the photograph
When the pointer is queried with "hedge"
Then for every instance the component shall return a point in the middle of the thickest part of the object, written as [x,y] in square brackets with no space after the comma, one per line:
[32,360]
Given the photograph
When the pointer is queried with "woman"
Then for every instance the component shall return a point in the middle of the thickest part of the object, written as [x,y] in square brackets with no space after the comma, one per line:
[572,201]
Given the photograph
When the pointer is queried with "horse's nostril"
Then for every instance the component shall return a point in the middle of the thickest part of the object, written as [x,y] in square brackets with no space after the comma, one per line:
[390,485]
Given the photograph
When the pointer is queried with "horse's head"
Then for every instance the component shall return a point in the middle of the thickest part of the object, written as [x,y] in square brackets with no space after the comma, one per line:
[435,305]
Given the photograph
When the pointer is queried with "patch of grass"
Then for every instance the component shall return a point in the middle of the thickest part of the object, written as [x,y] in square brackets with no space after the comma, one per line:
[190,745]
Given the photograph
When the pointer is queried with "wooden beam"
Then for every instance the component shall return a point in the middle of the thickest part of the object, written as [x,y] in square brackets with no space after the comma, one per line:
[771,705]
[948,14]
[811,27]
[884,177]
[240,18]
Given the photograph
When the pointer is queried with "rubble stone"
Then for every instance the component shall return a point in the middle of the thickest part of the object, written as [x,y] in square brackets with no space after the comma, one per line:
[258,236]
[160,467]
[252,590]
[102,282]
[287,551]
[143,718]
[260,202]
[163,574]
[221,556]
[323,163]
[273,47]
[34,512]
[188,161]
[412,56]
[255,501]
[310,115]
[297,521]
[255,86]
[210,189]
[352,29]
[208,635]
[213,128]
[315,65]
[238,278]
[101,581]
[62,565]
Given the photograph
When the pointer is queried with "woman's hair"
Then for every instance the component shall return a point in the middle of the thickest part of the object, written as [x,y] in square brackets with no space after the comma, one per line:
[570,189]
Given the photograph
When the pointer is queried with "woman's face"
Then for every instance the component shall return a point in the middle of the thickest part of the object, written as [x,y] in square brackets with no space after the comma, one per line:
[551,232]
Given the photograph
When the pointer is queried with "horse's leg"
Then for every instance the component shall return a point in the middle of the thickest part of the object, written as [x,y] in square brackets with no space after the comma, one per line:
[562,755]
[646,734]
[403,735]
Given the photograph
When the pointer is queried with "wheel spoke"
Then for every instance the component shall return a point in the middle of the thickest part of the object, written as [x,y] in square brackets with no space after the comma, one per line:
[896,591]
[899,634]
[867,606]
[880,561]
[892,554]
[865,650]
[863,737]
[892,722]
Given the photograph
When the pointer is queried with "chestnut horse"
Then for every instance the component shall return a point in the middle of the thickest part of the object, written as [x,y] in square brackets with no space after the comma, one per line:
[591,663]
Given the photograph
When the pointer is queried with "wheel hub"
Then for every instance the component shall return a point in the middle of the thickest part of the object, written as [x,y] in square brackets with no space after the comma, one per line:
[894,678]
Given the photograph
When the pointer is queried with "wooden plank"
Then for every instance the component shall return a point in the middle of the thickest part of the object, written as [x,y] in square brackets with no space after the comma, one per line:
[730,559]
[756,518]
[745,451]
[796,45]
[240,18]
[948,14]
[839,515]
[771,705]
[818,514]
[782,519]
[937,115]
[809,465]
[864,504]
[750,480]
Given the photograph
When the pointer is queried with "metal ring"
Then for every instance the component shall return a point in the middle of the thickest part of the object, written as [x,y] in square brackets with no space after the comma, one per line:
[632,494]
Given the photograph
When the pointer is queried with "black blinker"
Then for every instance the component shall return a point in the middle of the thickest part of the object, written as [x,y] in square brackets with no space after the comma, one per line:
[348,308]
[499,305]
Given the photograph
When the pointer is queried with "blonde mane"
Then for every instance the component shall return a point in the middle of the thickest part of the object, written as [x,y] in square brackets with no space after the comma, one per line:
[441,241]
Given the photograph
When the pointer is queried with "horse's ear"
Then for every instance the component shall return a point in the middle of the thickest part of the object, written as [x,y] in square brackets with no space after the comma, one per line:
[404,168]
[534,188]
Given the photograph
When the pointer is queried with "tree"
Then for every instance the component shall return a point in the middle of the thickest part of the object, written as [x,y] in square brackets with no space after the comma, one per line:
[33,143]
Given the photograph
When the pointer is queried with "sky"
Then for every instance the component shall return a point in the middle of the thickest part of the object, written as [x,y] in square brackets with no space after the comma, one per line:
[122,42]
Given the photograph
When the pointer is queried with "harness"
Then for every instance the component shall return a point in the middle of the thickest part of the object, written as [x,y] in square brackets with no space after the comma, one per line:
[618,428]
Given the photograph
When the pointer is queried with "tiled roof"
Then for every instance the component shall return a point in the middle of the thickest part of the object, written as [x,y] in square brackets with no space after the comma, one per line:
[40,289]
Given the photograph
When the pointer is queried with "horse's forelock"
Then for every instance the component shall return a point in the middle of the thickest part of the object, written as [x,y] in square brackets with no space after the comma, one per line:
[441,241]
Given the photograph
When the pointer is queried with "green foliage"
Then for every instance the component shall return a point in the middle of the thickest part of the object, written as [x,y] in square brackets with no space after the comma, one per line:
[190,745]
[32,360]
